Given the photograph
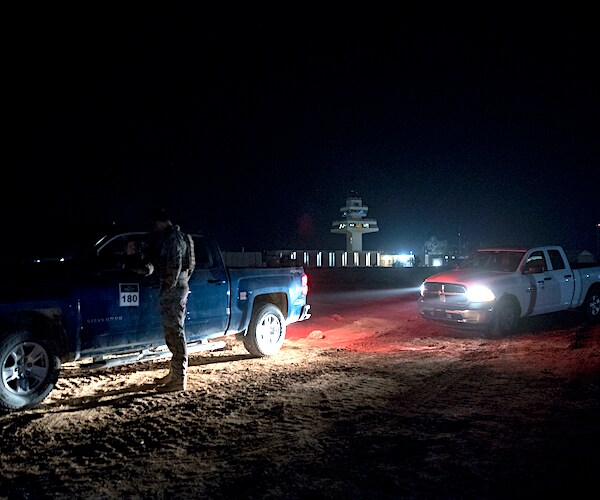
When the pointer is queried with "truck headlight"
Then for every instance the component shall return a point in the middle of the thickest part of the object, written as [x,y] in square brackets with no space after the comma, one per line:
[480,293]
[423,289]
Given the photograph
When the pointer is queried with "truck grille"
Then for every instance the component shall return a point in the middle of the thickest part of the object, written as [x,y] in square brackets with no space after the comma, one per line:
[447,293]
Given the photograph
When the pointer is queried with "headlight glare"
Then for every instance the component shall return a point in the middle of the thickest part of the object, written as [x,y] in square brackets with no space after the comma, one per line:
[480,293]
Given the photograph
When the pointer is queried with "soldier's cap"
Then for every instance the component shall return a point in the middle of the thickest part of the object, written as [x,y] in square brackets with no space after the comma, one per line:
[160,215]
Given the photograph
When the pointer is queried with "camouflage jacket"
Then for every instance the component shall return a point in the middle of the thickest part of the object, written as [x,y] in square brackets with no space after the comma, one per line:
[177,259]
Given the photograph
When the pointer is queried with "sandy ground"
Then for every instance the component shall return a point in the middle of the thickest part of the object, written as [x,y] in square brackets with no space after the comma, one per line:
[365,400]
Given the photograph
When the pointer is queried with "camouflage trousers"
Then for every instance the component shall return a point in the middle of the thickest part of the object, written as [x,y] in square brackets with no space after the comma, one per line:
[173,305]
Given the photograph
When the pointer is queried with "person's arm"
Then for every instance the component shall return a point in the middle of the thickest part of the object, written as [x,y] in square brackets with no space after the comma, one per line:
[191,254]
[174,255]
[145,268]
[148,268]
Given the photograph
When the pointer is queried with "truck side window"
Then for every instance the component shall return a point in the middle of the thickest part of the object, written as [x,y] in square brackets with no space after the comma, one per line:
[203,256]
[536,263]
[107,259]
[556,259]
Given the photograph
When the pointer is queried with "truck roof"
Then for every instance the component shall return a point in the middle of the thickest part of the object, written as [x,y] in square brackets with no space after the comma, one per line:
[501,249]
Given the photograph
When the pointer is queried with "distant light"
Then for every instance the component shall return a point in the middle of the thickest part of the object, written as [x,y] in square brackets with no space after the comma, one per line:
[405,260]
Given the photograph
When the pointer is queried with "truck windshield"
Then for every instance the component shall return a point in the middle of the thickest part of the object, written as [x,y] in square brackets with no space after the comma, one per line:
[493,260]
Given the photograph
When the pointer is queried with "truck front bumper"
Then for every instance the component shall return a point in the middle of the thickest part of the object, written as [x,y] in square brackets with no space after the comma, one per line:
[478,315]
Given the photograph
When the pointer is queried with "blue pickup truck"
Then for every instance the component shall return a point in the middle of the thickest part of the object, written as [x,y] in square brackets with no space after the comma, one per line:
[85,306]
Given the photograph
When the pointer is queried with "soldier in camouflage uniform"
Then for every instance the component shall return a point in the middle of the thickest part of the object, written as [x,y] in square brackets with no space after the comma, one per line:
[176,264]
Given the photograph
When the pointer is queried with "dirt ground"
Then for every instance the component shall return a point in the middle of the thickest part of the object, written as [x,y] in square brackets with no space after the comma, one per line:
[365,400]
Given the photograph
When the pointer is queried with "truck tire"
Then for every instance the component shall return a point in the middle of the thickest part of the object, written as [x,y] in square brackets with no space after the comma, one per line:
[266,331]
[506,318]
[591,305]
[29,370]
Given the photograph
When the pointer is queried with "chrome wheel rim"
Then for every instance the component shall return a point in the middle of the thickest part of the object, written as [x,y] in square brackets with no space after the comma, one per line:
[595,305]
[268,332]
[25,368]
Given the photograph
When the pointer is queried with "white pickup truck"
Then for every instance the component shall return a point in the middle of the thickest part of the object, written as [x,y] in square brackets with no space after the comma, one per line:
[495,287]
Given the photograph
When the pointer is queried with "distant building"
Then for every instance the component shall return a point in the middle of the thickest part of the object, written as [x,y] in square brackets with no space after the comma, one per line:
[354,223]
[586,257]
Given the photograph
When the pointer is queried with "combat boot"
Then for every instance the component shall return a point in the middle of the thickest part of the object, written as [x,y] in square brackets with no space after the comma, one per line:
[173,385]
[163,380]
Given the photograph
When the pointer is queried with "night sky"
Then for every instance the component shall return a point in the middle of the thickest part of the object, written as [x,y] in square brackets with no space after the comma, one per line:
[256,127]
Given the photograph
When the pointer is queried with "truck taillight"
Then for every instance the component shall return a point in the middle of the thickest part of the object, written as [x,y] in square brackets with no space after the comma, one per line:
[304,285]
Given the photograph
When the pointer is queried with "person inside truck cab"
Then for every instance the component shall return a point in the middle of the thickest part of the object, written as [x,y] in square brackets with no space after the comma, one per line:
[536,264]
[134,259]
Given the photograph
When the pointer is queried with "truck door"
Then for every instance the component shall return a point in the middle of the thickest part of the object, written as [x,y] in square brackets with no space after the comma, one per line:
[119,311]
[564,278]
[118,308]
[543,287]
[208,303]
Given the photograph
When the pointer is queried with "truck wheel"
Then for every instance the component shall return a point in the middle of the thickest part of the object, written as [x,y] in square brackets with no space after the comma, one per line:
[591,305]
[506,318]
[28,370]
[266,331]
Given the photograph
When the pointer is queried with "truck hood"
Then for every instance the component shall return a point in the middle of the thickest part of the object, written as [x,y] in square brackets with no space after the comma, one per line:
[33,281]
[34,271]
[467,276]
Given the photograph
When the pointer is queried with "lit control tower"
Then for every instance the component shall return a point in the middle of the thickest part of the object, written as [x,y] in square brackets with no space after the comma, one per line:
[354,224]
